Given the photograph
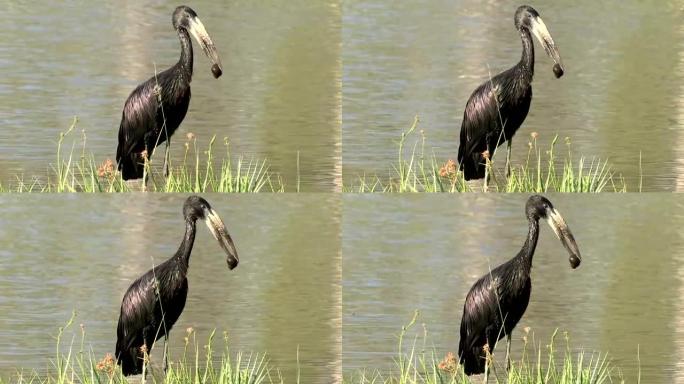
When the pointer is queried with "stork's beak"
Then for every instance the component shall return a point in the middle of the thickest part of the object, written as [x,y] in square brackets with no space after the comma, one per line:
[542,34]
[197,30]
[562,231]
[218,229]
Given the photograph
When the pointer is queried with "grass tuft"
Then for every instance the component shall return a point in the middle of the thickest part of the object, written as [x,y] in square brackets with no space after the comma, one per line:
[75,364]
[76,170]
[418,364]
[418,170]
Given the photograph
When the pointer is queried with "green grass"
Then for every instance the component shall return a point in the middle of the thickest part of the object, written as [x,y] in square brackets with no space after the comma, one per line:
[417,170]
[75,364]
[419,364]
[75,170]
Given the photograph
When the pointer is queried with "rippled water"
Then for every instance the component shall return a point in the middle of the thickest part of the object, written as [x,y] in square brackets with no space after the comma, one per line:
[398,254]
[62,253]
[289,67]
[620,96]
[421,253]
[279,93]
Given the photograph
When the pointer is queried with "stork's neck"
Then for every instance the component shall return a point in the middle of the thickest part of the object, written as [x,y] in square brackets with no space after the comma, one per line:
[526,63]
[185,61]
[183,253]
[527,251]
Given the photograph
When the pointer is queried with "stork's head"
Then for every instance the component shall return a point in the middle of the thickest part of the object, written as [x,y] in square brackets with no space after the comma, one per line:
[185,18]
[196,208]
[527,18]
[539,207]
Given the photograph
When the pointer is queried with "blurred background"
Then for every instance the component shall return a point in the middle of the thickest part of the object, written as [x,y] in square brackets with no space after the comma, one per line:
[278,96]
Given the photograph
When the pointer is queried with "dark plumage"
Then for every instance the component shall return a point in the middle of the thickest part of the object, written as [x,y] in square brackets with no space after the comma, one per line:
[498,107]
[155,300]
[164,97]
[498,300]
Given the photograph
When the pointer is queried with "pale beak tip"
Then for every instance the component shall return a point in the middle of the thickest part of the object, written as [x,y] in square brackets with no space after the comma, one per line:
[217,72]
[558,70]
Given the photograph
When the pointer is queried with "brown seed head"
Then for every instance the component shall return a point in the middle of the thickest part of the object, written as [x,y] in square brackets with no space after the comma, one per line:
[443,172]
[448,169]
[449,363]
[106,365]
[485,155]
[106,169]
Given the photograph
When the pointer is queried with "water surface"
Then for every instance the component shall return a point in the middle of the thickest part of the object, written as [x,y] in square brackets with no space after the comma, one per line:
[420,253]
[279,93]
[61,253]
[620,95]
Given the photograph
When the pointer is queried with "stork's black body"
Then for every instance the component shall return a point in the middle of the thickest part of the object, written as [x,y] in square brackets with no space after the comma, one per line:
[156,108]
[142,122]
[482,322]
[498,107]
[498,300]
[154,301]
[147,317]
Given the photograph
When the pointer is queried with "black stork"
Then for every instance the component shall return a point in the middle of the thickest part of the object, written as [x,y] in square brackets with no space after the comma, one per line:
[156,108]
[498,300]
[154,301]
[498,107]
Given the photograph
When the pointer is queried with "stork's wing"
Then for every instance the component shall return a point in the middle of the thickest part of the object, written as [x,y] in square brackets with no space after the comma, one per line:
[138,118]
[136,308]
[480,120]
[481,317]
